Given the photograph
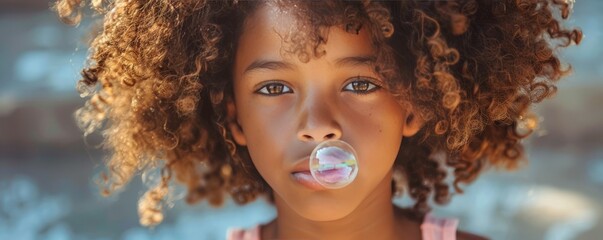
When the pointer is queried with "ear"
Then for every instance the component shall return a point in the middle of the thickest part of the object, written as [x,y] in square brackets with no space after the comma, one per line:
[413,124]
[233,123]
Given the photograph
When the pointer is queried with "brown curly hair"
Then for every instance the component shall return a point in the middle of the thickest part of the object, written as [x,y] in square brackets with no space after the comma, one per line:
[470,68]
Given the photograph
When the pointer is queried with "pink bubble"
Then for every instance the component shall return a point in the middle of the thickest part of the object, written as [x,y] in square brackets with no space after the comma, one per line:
[333,164]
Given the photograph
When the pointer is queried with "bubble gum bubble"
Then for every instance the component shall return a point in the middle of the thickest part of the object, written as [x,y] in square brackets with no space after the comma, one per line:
[333,164]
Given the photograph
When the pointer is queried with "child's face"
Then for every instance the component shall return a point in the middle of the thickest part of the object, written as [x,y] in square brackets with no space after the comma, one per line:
[313,102]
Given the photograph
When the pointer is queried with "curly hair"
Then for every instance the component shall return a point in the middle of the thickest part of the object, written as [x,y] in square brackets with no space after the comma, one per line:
[470,68]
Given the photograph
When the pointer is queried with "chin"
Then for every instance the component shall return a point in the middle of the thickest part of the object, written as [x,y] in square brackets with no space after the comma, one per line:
[324,214]
[322,208]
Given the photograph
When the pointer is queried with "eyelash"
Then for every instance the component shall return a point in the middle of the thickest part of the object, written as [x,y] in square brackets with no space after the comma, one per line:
[364,80]
[272,83]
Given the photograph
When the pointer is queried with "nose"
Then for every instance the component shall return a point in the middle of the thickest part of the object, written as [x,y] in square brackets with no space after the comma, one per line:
[318,123]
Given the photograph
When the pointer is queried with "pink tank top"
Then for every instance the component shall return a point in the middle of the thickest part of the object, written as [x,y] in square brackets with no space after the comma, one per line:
[432,228]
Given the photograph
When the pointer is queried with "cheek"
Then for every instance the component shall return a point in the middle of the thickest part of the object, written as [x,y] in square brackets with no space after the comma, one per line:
[267,130]
[378,138]
[381,117]
[269,125]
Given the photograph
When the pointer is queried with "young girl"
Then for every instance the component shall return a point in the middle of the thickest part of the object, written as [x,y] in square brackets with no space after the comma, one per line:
[230,97]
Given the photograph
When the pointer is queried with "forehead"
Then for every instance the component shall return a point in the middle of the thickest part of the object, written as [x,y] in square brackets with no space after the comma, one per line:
[270,15]
[277,33]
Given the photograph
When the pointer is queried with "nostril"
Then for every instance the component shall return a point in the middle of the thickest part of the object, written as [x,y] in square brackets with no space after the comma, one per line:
[329,136]
[308,137]
[316,137]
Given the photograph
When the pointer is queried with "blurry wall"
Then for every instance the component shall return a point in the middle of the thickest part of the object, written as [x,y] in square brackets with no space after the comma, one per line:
[46,167]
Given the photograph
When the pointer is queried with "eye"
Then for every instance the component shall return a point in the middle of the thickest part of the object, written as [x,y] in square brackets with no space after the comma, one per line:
[361,85]
[273,89]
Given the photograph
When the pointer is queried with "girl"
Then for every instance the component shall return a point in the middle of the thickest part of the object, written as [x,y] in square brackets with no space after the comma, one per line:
[230,97]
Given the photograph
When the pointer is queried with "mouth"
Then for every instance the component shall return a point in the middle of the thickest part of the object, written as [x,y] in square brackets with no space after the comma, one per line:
[305,179]
[301,174]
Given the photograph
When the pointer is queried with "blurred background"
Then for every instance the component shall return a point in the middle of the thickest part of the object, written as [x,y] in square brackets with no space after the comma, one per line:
[47,168]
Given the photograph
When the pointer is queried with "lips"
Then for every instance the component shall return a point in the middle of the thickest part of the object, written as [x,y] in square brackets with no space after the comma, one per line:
[301,174]
[305,178]
[302,165]
[334,175]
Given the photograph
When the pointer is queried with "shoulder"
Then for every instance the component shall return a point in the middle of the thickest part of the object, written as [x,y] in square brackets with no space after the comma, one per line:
[460,235]
[444,229]
[243,234]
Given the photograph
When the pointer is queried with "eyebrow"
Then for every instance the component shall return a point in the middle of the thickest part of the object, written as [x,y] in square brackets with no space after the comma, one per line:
[363,60]
[268,64]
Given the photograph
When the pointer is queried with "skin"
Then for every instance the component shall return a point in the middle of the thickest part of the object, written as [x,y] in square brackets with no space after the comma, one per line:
[318,102]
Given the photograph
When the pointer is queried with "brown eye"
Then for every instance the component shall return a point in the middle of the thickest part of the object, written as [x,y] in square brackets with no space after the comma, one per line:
[361,86]
[274,89]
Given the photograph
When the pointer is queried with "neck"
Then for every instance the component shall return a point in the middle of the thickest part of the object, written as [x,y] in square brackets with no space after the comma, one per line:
[374,218]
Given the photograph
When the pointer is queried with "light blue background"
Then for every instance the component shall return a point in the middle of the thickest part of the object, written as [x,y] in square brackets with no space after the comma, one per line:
[46,169]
